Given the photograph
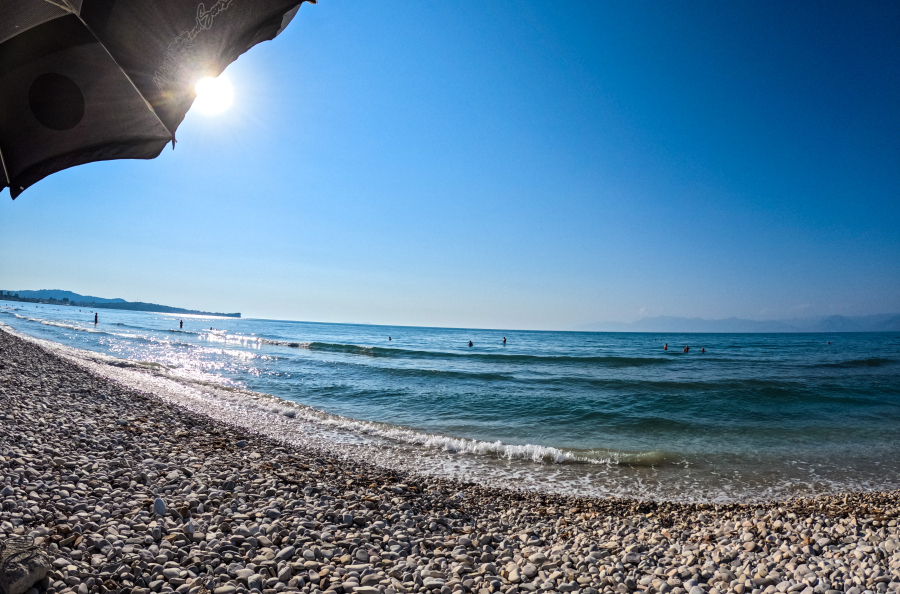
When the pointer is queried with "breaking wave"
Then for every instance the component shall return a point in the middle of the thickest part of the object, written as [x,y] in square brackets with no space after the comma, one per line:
[397,353]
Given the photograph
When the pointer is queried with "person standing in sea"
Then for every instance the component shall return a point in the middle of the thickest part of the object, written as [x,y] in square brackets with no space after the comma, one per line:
[95,318]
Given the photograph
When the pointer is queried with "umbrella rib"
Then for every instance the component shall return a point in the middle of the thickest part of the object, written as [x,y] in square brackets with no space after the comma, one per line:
[125,74]
[5,172]
[58,5]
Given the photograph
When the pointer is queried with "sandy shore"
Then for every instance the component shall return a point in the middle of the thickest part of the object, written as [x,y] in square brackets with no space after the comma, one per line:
[129,492]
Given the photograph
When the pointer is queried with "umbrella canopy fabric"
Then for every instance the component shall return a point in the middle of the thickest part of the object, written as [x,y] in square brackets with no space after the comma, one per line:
[93,80]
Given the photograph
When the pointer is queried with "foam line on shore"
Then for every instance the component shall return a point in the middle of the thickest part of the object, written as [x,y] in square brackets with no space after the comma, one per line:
[394,447]
[265,404]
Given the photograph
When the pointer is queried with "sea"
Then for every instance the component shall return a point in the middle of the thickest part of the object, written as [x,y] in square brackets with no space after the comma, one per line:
[755,417]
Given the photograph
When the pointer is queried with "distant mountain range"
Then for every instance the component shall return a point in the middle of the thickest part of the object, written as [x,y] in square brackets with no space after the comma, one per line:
[59,297]
[873,323]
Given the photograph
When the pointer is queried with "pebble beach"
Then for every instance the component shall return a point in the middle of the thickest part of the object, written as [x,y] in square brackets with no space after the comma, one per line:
[128,492]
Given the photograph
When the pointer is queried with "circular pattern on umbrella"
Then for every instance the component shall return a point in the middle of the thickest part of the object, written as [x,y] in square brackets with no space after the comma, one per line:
[56,101]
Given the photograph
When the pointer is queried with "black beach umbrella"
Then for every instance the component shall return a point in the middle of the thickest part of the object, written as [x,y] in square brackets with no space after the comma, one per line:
[93,80]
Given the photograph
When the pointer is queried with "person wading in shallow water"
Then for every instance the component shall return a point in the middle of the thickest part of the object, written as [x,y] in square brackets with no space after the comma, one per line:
[686,349]
[504,340]
[470,343]
[666,348]
[181,323]
[95,318]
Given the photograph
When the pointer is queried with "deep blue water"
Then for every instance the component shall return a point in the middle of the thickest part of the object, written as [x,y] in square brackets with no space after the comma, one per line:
[775,413]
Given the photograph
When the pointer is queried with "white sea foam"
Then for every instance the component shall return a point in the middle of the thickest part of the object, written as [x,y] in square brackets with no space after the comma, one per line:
[63,325]
[539,454]
[287,343]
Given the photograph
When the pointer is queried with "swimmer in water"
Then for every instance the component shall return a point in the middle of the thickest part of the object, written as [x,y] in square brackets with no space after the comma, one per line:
[389,339]
[686,349]
[504,340]
[703,350]
[470,343]
[666,348]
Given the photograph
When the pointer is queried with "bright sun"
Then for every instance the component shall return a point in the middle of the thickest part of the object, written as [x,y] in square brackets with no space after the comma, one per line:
[214,95]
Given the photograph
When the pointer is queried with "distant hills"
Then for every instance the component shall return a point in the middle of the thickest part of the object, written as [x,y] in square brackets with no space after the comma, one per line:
[59,297]
[872,323]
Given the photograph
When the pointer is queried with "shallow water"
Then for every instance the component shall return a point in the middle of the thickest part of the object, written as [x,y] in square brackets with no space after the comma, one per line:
[757,416]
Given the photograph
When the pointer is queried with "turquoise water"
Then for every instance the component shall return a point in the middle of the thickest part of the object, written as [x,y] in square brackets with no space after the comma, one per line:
[757,415]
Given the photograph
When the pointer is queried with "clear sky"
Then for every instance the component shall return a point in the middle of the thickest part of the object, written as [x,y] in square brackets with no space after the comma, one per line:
[509,164]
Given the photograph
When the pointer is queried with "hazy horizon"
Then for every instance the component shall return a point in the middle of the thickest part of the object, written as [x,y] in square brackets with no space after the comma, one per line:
[509,166]
[651,324]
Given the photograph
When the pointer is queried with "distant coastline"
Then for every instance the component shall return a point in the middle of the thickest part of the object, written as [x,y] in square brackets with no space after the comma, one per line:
[51,297]
[889,322]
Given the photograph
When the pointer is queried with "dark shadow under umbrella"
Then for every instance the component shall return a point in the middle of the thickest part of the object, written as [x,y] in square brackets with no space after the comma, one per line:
[93,80]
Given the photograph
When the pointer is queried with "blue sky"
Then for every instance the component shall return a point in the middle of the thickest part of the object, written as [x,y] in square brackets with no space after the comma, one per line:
[509,164]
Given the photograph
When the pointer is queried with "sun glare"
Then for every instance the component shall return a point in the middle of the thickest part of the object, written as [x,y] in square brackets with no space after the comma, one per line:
[214,95]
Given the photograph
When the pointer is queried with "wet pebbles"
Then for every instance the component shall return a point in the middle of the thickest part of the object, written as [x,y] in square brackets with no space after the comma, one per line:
[129,494]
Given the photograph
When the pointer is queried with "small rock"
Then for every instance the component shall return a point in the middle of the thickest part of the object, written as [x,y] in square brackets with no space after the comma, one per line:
[171,573]
[23,565]
[285,574]
[256,582]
